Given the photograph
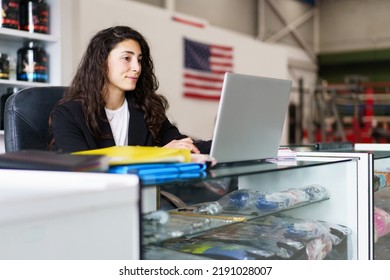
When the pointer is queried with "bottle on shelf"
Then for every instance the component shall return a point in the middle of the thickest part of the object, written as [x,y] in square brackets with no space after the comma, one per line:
[9,17]
[4,66]
[32,63]
[34,16]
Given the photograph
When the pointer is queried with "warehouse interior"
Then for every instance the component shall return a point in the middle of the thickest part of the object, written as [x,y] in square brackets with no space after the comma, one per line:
[348,44]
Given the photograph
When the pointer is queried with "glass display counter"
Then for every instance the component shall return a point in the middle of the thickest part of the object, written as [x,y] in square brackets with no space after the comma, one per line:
[378,168]
[310,208]
[381,204]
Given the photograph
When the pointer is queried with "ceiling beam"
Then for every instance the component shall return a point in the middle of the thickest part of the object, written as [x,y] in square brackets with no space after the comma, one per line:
[292,28]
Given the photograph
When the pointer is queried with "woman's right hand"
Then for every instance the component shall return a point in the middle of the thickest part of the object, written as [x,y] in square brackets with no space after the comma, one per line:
[185,143]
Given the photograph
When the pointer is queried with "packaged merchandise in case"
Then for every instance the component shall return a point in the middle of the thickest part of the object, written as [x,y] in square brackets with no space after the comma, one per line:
[381,179]
[271,237]
[162,225]
[219,249]
[245,201]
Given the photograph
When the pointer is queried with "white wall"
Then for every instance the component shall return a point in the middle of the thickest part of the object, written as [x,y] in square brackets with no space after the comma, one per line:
[236,15]
[193,117]
[348,25]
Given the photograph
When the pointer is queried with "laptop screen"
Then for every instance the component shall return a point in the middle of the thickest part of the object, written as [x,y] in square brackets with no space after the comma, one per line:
[250,118]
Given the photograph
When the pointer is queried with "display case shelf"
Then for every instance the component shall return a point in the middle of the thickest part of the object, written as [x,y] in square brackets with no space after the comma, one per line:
[13,35]
[21,84]
[337,175]
[184,223]
[12,39]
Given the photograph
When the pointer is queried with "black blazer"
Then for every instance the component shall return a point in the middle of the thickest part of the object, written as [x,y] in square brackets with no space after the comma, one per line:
[71,133]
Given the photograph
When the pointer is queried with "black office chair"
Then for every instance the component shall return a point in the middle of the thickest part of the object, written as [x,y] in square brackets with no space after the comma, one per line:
[26,115]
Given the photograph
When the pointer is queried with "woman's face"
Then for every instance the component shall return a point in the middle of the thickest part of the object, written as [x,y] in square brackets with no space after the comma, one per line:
[124,66]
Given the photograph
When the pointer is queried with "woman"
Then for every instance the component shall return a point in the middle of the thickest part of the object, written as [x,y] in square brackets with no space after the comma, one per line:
[112,99]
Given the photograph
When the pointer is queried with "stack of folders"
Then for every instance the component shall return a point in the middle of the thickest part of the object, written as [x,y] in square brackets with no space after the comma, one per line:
[52,161]
[152,164]
[122,155]
[155,173]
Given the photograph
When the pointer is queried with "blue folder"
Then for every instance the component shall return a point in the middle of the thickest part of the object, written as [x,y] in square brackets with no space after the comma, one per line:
[154,173]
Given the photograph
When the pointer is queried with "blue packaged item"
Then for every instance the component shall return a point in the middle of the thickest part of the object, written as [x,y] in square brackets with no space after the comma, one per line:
[306,230]
[238,199]
[274,201]
[152,173]
[243,199]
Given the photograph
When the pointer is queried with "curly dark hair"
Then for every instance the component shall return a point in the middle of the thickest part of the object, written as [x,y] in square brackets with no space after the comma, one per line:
[89,85]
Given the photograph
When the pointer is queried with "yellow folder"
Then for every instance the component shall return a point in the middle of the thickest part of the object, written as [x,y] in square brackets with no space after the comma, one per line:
[121,155]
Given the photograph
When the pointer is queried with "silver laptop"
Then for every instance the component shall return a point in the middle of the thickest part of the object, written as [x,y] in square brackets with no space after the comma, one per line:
[250,118]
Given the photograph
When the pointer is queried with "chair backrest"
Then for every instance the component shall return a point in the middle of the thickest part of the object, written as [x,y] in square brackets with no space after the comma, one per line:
[26,116]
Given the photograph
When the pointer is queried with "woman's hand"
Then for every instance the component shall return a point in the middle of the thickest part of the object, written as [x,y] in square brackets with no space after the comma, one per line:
[186,143]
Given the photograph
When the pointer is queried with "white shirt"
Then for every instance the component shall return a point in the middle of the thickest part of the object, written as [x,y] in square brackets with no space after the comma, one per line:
[119,122]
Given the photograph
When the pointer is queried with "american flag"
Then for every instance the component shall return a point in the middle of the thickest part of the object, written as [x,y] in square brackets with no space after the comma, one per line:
[204,69]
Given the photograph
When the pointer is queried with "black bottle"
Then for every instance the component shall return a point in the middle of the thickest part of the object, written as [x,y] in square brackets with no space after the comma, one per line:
[9,17]
[32,63]
[34,16]
[4,66]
